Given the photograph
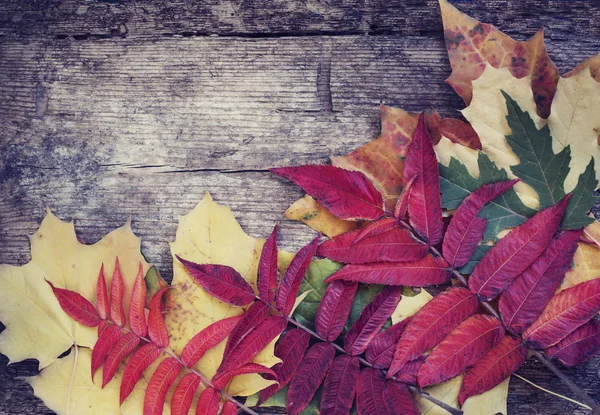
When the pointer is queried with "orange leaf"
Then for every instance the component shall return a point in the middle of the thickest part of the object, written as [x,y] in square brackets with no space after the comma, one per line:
[471,45]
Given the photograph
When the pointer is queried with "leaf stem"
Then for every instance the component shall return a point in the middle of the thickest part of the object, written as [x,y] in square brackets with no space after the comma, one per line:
[340,349]
[568,382]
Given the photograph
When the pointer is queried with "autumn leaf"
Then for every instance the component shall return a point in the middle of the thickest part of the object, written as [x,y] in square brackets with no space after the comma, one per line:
[472,45]
[313,214]
[36,325]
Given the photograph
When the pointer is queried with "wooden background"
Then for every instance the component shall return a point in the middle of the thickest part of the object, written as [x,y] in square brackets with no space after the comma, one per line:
[118,108]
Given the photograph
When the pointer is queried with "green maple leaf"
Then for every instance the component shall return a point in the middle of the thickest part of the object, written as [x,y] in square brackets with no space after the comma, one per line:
[538,166]
[582,201]
[506,211]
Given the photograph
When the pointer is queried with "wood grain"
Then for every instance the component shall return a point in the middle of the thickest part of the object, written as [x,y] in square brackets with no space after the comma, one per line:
[112,109]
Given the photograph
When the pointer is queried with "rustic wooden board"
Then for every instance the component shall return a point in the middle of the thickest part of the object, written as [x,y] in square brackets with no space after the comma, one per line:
[113,109]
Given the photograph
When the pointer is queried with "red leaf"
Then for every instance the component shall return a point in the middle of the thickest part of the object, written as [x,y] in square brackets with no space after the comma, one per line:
[267,269]
[371,320]
[375,228]
[398,399]
[524,300]
[141,359]
[460,132]
[292,278]
[206,339]
[369,392]
[568,310]
[466,230]
[346,194]
[102,295]
[229,408]
[184,394]
[334,309]
[290,349]
[393,245]
[309,376]
[221,380]
[124,346]
[408,373]
[465,345]
[105,342]
[117,292]
[157,330]
[208,403]
[425,271]
[76,306]
[425,203]
[255,315]
[578,346]
[515,252]
[253,343]
[432,323]
[402,204]
[159,384]
[221,281]
[340,386]
[500,362]
[381,350]
[137,315]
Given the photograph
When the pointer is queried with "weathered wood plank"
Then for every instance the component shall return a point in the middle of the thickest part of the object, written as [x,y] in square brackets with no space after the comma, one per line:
[83,19]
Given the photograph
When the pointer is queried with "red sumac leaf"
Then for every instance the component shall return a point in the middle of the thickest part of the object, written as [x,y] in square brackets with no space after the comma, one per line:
[184,394]
[290,349]
[117,292]
[369,392]
[122,348]
[424,203]
[398,399]
[392,245]
[426,271]
[267,269]
[498,364]
[374,228]
[140,360]
[137,315]
[340,386]
[432,323]
[229,408]
[105,342]
[222,379]
[292,278]
[334,309]
[346,194]
[76,306]
[309,376]
[221,281]
[253,343]
[515,252]
[465,345]
[208,402]
[371,320]
[380,351]
[206,339]
[160,382]
[102,303]
[402,204]
[578,346]
[157,330]
[408,373]
[255,315]
[568,310]
[466,230]
[525,298]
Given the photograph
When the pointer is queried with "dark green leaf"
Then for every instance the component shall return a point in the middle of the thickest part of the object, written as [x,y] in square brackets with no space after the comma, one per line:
[479,253]
[582,201]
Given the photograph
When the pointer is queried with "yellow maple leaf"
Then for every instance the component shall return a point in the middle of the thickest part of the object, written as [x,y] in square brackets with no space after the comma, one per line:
[36,325]
[313,214]
[410,304]
[209,234]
